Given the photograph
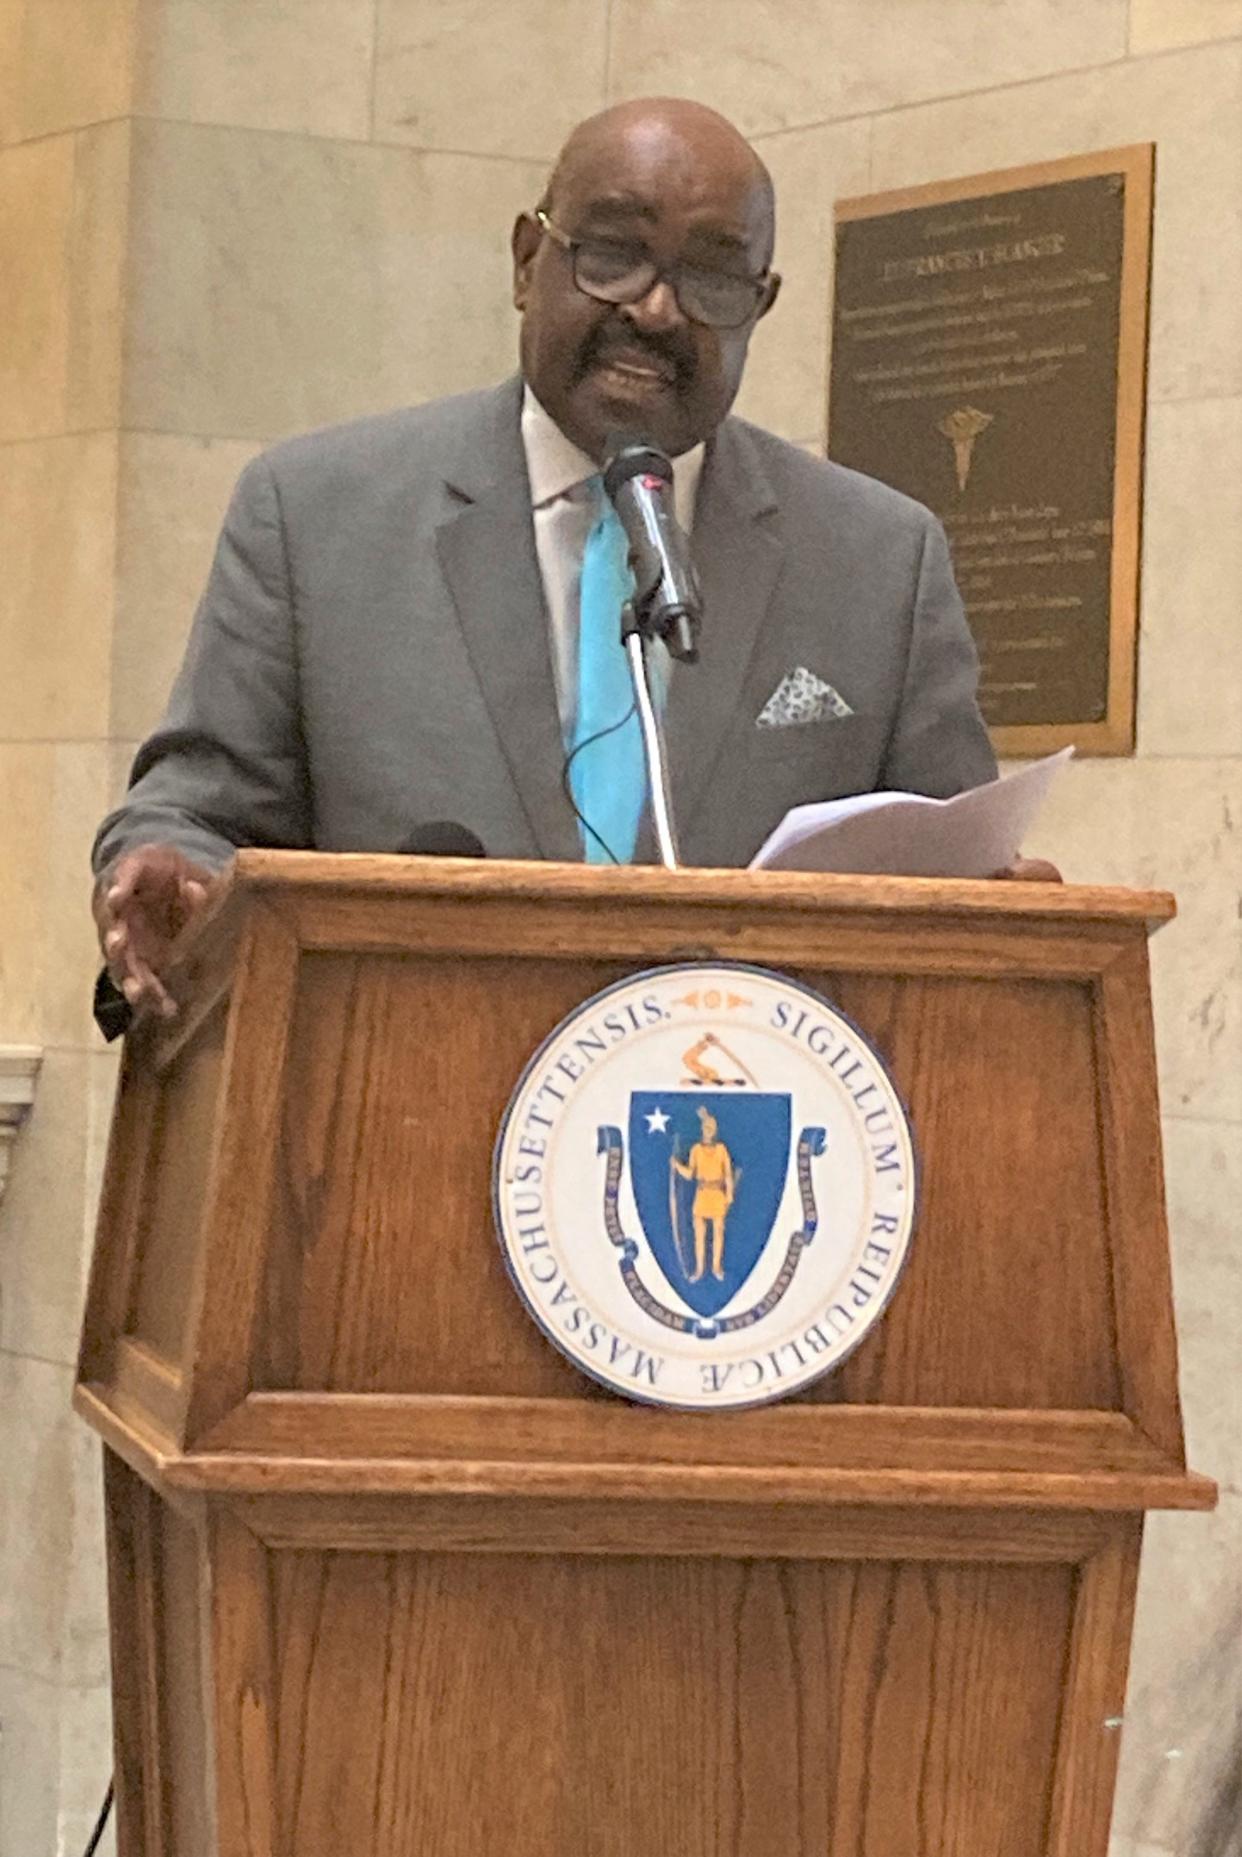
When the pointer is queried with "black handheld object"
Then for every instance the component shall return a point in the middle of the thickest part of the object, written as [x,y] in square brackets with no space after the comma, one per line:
[638,480]
[441,838]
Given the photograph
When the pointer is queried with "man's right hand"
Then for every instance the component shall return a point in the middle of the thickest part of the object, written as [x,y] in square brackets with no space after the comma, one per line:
[141,906]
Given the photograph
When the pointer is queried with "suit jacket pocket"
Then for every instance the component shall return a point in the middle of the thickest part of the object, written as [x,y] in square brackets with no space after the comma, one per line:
[815,760]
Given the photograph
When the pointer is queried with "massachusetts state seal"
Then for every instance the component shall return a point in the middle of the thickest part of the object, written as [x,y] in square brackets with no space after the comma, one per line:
[705,1186]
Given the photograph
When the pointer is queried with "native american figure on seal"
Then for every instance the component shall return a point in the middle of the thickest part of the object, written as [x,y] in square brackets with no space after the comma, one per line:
[710,1167]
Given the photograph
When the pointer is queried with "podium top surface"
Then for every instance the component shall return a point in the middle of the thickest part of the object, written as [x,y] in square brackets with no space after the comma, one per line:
[378,874]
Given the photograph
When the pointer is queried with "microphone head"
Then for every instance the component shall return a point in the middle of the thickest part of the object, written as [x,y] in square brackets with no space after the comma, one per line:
[626,456]
[441,838]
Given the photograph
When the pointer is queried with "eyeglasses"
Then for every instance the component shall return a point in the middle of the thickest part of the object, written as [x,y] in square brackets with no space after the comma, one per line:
[614,271]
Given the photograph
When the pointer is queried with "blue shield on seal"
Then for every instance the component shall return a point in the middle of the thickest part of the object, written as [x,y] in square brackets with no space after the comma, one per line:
[708,1171]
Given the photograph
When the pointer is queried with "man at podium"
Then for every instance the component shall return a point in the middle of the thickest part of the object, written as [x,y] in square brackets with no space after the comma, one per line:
[402,622]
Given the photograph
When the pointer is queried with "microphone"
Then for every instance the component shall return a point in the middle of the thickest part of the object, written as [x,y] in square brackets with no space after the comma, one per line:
[441,838]
[638,481]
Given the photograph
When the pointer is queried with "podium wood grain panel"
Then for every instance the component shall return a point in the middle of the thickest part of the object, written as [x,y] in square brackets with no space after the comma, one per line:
[1134,1184]
[383,1240]
[171,1217]
[386,1210]
[161,1671]
[720,1709]
[1095,1693]
[1012,1199]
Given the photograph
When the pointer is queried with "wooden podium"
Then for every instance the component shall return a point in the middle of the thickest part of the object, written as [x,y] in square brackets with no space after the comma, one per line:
[389,1578]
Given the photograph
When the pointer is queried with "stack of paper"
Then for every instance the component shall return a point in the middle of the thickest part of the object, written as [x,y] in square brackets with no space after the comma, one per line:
[974,834]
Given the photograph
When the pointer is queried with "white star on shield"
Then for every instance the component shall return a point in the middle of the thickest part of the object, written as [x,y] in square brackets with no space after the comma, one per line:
[657,1122]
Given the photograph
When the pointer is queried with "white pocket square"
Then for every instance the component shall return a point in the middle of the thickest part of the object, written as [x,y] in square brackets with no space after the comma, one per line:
[800,698]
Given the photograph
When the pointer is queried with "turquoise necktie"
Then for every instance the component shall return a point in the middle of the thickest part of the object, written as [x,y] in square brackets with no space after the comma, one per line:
[608,774]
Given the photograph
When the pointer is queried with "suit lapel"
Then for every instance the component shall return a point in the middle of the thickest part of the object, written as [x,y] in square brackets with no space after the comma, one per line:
[486,545]
[737,552]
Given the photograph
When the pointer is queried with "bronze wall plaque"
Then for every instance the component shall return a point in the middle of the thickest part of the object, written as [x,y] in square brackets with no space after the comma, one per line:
[989,348]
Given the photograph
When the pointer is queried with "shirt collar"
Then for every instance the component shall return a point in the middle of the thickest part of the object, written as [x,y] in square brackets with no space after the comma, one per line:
[555,465]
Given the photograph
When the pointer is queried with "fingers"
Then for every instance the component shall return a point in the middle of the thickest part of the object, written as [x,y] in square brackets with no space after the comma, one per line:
[134,976]
[149,898]
[162,878]
[1031,870]
[143,988]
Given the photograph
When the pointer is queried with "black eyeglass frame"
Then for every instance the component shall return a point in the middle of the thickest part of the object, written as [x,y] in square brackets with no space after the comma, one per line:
[756,287]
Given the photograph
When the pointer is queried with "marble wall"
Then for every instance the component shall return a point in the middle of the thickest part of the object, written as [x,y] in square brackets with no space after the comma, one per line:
[224,220]
[64,190]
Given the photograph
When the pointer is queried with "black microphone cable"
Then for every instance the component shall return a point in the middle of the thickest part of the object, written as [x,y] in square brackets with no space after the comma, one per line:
[100,1822]
[588,741]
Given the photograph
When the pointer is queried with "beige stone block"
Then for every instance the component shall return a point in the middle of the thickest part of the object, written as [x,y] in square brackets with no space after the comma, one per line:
[259,64]
[54,797]
[1159,25]
[778,64]
[1188,104]
[1176,825]
[509,80]
[36,1518]
[174,492]
[786,382]
[84,1661]
[36,202]
[280,283]
[55,1758]
[1190,643]
[85,1723]
[101,1096]
[62,239]
[63,64]
[58,520]
[1203,1172]
[1184,1703]
[29,1762]
[47,1215]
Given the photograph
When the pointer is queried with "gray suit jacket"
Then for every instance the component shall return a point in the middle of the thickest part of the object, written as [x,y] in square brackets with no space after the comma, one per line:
[372,651]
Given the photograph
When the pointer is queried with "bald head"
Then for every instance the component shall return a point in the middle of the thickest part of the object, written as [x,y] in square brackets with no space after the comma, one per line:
[665,192]
[680,135]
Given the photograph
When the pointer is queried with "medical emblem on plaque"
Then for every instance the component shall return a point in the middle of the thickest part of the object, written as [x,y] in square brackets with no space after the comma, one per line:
[705,1186]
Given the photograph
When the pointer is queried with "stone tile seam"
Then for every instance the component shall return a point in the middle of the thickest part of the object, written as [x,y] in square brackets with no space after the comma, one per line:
[267,129]
[492,156]
[38,1360]
[68,1365]
[995,90]
[53,135]
[760,135]
[51,1682]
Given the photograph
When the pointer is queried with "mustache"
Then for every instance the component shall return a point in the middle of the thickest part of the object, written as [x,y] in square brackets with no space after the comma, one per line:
[675,354]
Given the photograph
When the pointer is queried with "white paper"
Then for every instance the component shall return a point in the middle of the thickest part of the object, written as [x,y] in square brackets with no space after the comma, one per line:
[974,834]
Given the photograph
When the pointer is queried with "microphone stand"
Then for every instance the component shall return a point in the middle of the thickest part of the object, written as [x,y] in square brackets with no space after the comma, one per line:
[639,630]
